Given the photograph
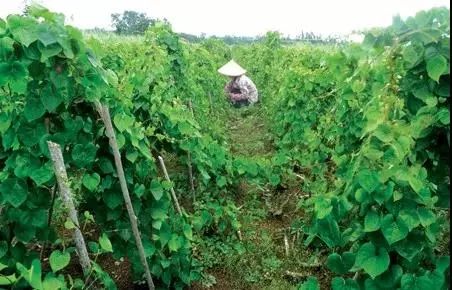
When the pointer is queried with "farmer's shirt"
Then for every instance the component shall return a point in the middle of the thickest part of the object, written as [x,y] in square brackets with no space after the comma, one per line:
[242,88]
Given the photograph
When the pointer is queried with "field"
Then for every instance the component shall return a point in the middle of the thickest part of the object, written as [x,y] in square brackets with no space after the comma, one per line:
[338,178]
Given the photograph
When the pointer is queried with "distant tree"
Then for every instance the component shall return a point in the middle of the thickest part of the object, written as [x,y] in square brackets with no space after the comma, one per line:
[131,22]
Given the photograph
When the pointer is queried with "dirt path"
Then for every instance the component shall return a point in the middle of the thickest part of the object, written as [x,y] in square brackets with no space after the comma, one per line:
[261,264]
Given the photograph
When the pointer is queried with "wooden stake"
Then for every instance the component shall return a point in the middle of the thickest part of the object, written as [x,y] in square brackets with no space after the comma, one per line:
[190,167]
[162,164]
[295,275]
[239,235]
[190,106]
[66,196]
[105,114]
[190,174]
[286,245]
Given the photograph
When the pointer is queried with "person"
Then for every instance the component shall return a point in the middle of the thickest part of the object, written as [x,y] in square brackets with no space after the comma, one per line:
[240,90]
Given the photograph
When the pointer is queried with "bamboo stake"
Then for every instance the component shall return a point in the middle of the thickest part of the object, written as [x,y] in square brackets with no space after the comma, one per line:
[295,275]
[66,196]
[173,194]
[286,245]
[190,167]
[190,174]
[239,235]
[190,106]
[105,114]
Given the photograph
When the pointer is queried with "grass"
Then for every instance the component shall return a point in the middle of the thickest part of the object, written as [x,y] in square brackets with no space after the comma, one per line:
[248,132]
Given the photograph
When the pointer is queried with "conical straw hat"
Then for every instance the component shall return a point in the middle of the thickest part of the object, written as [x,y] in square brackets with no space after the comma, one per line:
[231,69]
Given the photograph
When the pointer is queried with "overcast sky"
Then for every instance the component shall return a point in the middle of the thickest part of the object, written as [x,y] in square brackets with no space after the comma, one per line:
[239,17]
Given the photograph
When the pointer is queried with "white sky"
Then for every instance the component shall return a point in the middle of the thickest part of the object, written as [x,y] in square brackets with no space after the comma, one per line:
[239,17]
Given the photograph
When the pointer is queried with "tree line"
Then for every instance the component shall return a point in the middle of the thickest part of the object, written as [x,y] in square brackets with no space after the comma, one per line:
[136,23]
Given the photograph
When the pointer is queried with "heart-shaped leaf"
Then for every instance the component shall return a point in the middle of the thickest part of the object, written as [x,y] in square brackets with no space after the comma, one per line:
[373,262]
[59,260]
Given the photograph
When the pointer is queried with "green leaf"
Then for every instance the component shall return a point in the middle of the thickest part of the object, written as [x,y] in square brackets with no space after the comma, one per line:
[393,230]
[443,116]
[158,213]
[16,75]
[412,282]
[340,264]
[310,284]
[139,190]
[14,191]
[358,86]
[105,243]
[25,165]
[164,234]
[368,180]
[436,66]
[410,247]
[372,262]
[412,54]
[389,279]
[123,122]
[23,29]
[339,283]
[68,224]
[156,189]
[84,155]
[174,243]
[106,166]
[322,207]
[43,174]
[5,122]
[6,48]
[59,260]
[372,221]
[221,181]
[91,181]
[410,217]
[49,51]
[426,216]
[31,133]
[385,133]
[52,283]
[112,198]
[362,196]
[32,275]
[149,248]
[328,231]
[38,217]
[132,156]
[33,109]
[188,233]
[383,194]
[275,179]
[7,280]
[50,100]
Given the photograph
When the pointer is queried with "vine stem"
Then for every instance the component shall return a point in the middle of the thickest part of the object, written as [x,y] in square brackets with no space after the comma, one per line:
[66,195]
[105,115]
[173,194]
[49,219]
